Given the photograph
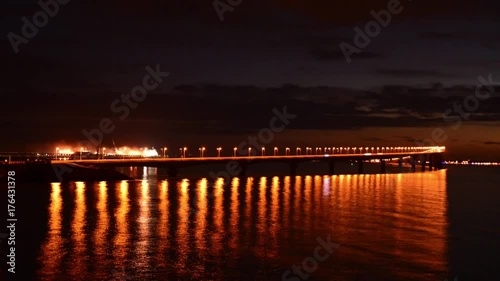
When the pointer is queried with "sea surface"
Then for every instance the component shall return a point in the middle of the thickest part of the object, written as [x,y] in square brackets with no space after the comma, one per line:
[401,226]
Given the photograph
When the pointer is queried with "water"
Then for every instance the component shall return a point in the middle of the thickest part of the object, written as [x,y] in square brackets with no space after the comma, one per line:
[410,226]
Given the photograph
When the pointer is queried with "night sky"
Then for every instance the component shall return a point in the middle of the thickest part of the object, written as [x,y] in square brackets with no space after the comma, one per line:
[227,76]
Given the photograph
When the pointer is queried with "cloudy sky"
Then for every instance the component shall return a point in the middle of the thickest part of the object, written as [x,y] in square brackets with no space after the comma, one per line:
[227,76]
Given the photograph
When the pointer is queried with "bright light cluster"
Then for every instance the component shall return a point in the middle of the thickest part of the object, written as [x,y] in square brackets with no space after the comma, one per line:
[122,151]
[127,151]
[472,163]
[64,150]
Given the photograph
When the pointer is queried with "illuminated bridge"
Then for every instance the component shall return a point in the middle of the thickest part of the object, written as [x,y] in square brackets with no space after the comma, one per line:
[430,158]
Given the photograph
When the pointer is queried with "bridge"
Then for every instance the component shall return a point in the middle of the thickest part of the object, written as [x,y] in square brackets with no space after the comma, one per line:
[236,165]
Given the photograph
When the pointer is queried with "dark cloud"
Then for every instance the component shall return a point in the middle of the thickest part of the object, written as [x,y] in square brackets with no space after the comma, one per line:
[336,54]
[439,35]
[413,73]
[228,110]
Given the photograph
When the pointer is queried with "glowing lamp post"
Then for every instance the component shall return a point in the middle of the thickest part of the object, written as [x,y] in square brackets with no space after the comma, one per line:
[263,151]
[202,150]
[234,150]
[287,151]
[218,151]
[275,151]
[298,151]
[249,151]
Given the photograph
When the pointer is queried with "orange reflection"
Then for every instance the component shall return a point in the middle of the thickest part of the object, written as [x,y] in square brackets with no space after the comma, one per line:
[286,206]
[219,214]
[403,215]
[248,206]
[78,231]
[262,216]
[102,224]
[235,214]
[163,223]
[52,249]
[201,215]
[122,236]
[143,224]
[182,231]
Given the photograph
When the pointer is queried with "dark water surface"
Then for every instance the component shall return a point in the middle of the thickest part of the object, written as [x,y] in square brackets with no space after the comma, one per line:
[410,226]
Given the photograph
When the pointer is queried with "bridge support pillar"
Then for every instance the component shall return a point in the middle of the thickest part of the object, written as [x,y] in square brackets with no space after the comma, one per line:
[400,164]
[360,166]
[331,167]
[413,163]
[382,166]
[431,160]
[423,159]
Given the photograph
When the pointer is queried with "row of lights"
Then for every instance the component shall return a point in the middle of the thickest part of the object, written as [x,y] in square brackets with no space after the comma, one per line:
[298,150]
[319,150]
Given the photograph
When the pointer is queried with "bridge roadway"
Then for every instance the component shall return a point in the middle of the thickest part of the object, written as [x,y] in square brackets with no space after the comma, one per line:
[433,158]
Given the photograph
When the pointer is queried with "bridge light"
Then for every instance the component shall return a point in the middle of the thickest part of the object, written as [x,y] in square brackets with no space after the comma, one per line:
[234,149]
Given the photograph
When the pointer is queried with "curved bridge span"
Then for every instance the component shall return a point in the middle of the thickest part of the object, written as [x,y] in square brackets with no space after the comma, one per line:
[430,158]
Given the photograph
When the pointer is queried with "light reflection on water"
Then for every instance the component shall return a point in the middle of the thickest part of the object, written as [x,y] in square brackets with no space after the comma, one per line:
[391,226]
